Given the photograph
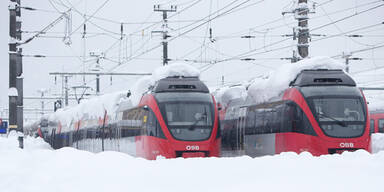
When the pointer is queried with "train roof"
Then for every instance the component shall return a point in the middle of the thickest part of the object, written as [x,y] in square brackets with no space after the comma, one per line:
[322,77]
[180,84]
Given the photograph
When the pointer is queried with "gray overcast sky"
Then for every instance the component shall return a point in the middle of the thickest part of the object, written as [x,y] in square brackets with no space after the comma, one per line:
[104,29]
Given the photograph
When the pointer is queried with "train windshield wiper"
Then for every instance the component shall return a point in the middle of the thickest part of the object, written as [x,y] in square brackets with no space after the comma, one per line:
[341,123]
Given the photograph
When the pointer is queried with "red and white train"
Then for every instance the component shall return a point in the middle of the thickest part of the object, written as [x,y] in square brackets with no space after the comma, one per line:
[322,112]
[177,117]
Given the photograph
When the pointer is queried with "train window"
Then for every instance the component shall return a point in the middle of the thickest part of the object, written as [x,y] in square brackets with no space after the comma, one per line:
[250,122]
[372,126]
[299,122]
[250,119]
[259,124]
[381,125]
[286,118]
[131,123]
[153,126]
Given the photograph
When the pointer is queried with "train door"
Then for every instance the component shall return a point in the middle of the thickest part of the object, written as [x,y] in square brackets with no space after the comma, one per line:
[240,129]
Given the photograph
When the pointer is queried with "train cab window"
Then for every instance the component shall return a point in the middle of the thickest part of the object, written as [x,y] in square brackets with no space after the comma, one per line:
[381,125]
[299,122]
[153,126]
[372,126]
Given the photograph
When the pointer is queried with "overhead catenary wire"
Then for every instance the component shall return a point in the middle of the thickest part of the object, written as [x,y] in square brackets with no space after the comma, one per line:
[347,17]
[312,18]
[289,46]
[185,32]
[322,26]
[179,37]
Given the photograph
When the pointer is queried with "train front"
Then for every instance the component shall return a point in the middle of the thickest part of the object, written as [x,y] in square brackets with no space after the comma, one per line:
[336,109]
[188,117]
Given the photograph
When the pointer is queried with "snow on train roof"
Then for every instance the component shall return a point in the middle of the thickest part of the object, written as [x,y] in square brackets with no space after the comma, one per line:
[271,86]
[226,95]
[95,107]
[91,108]
[142,85]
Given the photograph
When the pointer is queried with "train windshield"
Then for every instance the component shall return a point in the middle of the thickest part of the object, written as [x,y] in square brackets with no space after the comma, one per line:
[340,117]
[189,116]
[340,110]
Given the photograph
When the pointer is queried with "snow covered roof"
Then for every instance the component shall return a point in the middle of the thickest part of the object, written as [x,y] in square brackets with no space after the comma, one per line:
[94,107]
[171,70]
[272,85]
[226,95]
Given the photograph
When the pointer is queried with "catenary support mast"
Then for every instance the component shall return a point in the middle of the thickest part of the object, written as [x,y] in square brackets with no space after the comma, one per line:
[164,32]
[15,70]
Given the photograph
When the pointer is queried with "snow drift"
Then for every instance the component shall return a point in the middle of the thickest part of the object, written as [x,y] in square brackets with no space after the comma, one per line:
[39,169]
[377,142]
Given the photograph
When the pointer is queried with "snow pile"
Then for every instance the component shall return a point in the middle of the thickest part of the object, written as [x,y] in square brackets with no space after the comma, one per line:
[176,69]
[94,108]
[226,95]
[68,169]
[265,89]
[377,142]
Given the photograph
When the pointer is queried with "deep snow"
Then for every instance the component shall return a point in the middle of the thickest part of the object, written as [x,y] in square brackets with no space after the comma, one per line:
[38,168]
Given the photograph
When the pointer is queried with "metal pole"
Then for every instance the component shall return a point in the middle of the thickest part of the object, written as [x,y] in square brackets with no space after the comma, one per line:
[303,35]
[42,103]
[97,84]
[165,35]
[103,130]
[66,90]
[347,65]
[15,71]
[164,30]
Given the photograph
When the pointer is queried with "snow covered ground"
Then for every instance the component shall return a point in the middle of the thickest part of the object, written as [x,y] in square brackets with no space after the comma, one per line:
[38,168]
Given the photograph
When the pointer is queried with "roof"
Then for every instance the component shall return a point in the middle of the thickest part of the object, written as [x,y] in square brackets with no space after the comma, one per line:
[322,77]
[180,84]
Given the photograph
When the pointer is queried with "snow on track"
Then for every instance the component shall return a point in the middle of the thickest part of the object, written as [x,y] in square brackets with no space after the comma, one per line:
[40,169]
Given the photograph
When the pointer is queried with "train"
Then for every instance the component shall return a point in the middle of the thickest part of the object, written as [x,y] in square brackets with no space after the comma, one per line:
[176,117]
[321,112]
[377,121]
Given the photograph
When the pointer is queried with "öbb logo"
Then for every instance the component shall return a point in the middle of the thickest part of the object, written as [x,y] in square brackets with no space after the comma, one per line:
[192,147]
[346,145]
